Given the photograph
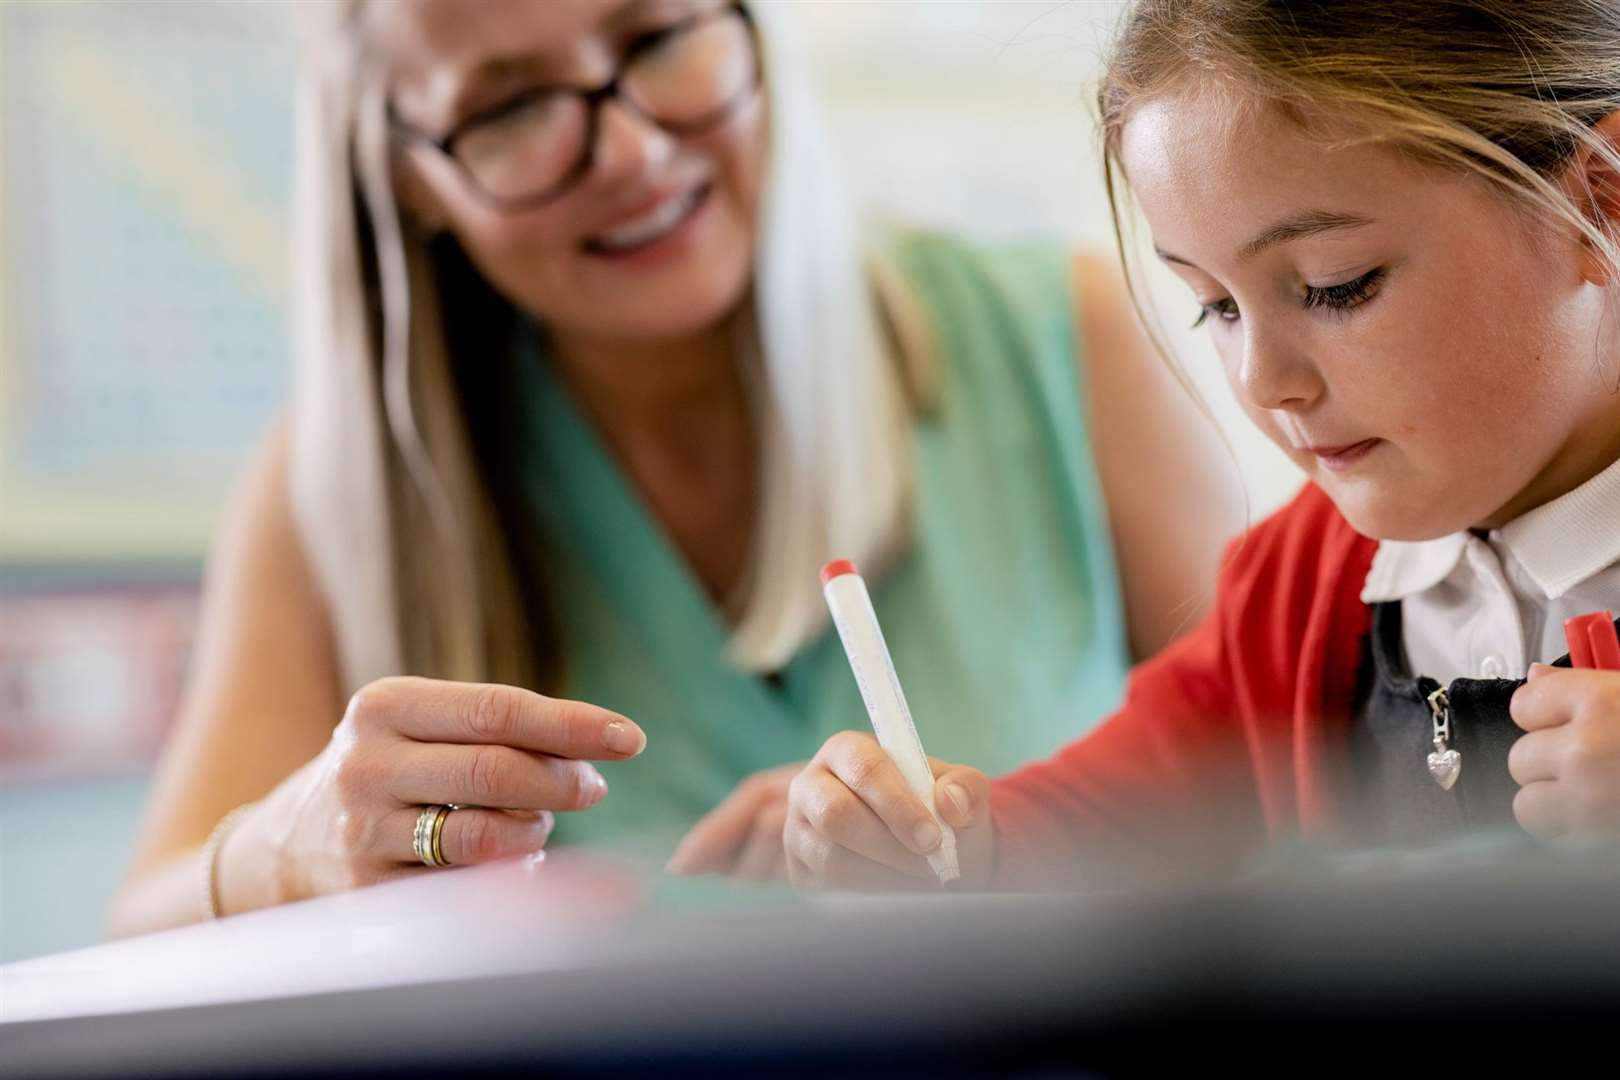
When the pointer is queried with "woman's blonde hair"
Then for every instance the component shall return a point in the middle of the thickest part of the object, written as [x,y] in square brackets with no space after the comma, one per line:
[408,505]
[1506,90]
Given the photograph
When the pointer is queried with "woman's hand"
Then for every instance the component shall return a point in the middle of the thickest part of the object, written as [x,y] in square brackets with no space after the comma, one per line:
[507,756]
[853,822]
[742,836]
[1567,763]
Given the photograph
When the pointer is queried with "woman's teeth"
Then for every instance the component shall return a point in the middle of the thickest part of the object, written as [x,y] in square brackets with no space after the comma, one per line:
[651,226]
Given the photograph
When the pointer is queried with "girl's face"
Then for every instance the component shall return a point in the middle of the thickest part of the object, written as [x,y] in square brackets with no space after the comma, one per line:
[655,240]
[1394,328]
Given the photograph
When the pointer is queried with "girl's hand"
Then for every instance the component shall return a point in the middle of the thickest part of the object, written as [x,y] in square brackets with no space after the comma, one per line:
[1567,763]
[742,836]
[853,822]
[507,756]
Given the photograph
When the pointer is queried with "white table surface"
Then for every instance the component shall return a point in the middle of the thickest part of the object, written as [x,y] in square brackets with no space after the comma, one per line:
[579,963]
[525,915]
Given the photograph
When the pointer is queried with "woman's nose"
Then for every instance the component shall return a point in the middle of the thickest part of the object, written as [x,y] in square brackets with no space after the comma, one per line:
[627,143]
[1273,374]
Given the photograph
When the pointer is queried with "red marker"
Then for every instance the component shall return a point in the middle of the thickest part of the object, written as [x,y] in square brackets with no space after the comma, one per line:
[1592,641]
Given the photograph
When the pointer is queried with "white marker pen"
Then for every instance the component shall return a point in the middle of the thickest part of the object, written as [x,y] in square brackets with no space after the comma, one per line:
[869,659]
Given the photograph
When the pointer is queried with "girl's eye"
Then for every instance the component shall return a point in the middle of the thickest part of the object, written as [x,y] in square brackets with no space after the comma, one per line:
[1345,296]
[1341,297]
[1224,309]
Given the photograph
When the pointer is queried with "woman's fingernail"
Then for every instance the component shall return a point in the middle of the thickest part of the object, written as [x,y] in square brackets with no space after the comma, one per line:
[926,836]
[595,788]
[621,738]
[960,799]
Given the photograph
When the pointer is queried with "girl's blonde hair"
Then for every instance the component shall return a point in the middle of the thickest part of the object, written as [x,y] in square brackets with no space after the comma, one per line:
[406,493]
[1506,90]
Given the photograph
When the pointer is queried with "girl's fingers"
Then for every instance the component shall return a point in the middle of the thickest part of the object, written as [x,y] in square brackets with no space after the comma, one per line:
[1534,757]
[818,863]
[715,843]
[826,806]
[762,859]
[1555,696]
[962,796]
[860,763]
[494,776]
[712,845]
[1538,809]
[470,835]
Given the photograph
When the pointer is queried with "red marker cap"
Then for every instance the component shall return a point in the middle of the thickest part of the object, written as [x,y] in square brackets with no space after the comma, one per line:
[1605,643]
[1592,641]
[837,568]
[1580,648]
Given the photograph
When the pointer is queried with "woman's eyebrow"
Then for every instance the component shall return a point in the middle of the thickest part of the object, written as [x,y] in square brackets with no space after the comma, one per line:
[495,68]
[625,12]
[1293,227]
[507,65]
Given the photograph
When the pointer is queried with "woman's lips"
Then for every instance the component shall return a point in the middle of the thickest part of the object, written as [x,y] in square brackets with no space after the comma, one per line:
[648,224]
[1343,457]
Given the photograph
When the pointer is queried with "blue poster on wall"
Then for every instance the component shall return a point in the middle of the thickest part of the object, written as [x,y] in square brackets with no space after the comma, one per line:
[144,179]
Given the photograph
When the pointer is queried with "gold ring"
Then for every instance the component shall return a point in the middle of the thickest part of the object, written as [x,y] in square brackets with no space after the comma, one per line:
[438,833]
[425,843]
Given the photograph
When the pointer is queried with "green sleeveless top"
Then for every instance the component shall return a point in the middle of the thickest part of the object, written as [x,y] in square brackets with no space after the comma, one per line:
[1004,618]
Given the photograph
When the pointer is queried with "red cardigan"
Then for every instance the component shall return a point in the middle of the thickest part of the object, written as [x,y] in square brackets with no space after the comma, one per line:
[1233,737]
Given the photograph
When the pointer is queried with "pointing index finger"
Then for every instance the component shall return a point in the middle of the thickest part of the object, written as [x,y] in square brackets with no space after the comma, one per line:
[430,710]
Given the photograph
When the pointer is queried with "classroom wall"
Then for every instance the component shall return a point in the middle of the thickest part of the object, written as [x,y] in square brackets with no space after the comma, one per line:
[144,177]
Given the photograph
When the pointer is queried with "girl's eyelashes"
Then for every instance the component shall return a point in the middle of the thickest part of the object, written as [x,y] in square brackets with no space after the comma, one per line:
[1225,309]
[1347,295]
[1341,297]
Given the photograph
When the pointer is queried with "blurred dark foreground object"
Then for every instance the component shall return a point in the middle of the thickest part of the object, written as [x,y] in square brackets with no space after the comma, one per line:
[1363,964]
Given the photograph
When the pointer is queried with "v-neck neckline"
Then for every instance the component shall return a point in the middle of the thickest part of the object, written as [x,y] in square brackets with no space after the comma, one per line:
[590,508]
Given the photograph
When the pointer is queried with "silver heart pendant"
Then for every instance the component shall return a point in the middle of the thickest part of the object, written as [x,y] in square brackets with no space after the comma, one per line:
[1444,765]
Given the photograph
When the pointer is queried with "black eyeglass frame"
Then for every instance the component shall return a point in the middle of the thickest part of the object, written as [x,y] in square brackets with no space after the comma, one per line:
[592,99]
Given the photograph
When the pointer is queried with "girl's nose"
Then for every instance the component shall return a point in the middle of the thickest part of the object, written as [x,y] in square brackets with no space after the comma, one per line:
[1272,374]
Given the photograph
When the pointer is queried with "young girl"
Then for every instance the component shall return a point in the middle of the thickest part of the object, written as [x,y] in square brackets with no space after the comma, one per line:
[1400,231]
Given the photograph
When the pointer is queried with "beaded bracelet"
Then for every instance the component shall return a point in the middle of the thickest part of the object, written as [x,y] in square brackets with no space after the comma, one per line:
[210,860]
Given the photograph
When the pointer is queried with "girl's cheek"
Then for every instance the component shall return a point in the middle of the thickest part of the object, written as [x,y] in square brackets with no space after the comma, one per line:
[1270,429]
[1231,369]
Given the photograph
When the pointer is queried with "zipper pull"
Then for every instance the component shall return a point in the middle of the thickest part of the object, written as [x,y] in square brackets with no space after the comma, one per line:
[1444,763]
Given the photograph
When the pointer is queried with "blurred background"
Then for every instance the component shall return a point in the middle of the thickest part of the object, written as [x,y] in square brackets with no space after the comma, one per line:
[144,180]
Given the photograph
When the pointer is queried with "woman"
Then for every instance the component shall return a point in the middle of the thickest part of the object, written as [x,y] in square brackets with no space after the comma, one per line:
[592,379]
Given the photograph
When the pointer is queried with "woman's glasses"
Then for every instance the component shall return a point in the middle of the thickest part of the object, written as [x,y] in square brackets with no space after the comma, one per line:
[686,79]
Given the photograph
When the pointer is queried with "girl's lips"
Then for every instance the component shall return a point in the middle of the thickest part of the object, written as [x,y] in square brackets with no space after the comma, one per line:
[1343,457]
